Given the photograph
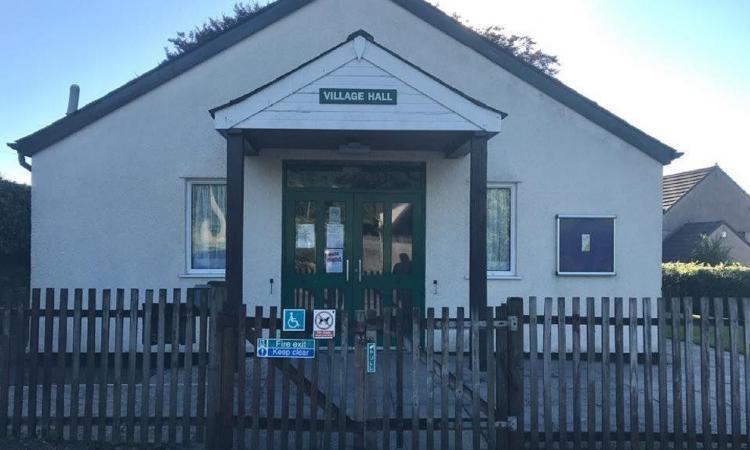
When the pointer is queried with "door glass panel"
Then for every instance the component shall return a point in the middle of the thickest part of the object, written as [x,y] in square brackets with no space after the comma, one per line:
[304,240]
[333,298]
[335,257]
[366,177]
[372,238]
[401,237]
[304,298]
[402,300]
[372,300]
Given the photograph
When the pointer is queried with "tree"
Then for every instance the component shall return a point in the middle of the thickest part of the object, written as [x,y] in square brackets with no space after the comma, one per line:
[711,251]
[523,47]
[186,41]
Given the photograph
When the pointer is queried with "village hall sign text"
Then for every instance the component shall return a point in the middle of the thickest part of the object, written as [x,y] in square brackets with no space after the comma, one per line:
[358,96]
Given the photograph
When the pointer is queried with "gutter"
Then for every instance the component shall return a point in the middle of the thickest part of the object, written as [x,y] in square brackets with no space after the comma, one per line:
[21,157]
[22,162]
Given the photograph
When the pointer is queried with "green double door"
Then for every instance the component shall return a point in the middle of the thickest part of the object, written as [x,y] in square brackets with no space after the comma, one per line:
[353,250]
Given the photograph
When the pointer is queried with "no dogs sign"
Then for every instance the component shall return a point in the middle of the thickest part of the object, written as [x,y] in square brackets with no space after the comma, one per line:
[324,323]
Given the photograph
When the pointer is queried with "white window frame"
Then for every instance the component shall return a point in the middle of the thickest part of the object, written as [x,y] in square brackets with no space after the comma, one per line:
[189,271]
[614,245]
[512,273]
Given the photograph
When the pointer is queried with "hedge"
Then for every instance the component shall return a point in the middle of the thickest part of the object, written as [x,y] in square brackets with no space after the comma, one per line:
[15,231]
[15,219]
[699,280]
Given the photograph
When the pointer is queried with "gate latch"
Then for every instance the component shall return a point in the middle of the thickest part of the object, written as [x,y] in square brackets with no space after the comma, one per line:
[513,323]
[510,424]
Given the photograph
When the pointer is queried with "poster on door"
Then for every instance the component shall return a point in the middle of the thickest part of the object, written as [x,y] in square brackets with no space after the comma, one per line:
[305,235]
[334,214]
[335,235]
[334,260]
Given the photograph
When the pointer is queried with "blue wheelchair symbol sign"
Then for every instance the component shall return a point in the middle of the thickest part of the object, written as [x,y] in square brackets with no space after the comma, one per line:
[294,320]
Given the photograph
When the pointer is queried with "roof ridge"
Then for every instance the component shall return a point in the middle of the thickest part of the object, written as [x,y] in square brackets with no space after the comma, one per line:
[702,169]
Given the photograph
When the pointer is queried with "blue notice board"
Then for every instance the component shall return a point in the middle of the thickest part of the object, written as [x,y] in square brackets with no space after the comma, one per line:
[286,348]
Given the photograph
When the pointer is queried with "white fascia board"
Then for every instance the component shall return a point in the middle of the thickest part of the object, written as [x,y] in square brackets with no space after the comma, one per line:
[483,118]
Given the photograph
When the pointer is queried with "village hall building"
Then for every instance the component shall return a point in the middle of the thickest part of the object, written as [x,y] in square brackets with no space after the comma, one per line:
[350,153]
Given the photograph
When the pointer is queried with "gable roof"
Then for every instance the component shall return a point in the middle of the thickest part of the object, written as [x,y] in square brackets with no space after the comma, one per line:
[45,137]
[675,186]
[679,245]
[359,52]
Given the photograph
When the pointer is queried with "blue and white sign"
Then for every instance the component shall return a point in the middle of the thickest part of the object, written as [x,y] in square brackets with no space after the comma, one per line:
[294,320]
[286,348]
[372,353]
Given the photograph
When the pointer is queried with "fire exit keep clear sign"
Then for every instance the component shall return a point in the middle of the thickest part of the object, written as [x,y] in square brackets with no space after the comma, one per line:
[341,96]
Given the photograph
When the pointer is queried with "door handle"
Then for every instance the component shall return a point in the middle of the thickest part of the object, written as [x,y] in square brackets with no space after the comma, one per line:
[347,270]
[359,272]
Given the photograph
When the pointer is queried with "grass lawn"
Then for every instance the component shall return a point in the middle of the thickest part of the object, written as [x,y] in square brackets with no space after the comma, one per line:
[725,341]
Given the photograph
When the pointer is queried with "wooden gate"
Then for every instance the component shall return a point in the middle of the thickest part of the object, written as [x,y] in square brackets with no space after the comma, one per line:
[407,380]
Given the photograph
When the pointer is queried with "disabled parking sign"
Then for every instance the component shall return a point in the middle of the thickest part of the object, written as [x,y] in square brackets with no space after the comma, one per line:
[294,320]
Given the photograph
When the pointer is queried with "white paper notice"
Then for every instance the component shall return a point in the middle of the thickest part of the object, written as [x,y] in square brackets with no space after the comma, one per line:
[305,235]
[334,260]
[585,243]
[335,235]
[334,214]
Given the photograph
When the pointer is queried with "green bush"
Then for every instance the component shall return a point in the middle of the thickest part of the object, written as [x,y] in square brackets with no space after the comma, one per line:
[701,280]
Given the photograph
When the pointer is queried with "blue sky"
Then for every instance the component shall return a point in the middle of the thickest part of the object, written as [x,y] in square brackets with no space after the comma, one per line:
[678,69]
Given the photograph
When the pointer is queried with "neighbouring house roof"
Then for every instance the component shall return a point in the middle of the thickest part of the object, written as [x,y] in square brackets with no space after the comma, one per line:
[679,245]
[49,135]
[675,186]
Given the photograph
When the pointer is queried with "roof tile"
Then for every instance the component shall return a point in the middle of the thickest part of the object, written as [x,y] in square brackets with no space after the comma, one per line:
[675,186]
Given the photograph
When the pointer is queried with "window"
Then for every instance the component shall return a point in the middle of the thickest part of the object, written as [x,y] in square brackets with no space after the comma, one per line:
[206,227]
[585,245]
[501,233]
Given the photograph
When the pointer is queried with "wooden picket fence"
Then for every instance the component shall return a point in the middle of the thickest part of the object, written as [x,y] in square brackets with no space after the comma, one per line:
[619,373]
[633,379]
[149,367]
[55,380]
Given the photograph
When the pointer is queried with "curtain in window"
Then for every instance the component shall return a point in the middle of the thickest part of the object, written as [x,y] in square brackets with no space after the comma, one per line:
[208,226]
[498,229]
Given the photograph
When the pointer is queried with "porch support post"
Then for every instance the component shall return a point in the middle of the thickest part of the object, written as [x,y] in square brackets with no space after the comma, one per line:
[478,237]
[234,216]
[226,336]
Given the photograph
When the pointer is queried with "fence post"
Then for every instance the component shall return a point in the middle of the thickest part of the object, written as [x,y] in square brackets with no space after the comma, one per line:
[360,341]
[515,369]
[223,362]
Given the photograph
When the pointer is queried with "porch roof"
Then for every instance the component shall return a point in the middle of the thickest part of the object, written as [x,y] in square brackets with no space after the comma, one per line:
[358,95]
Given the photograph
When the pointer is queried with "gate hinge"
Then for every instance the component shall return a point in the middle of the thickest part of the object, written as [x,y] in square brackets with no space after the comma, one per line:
[513,323]
[510,424]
